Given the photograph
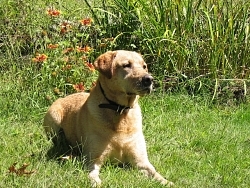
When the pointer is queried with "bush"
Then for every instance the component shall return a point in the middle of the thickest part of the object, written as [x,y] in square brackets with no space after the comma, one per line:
[49,47]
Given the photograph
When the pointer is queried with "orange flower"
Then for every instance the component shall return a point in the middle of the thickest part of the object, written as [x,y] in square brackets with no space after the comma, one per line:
[90,66]
[65,27]
[83,49]
[67,50]
[53,46]
[86,21]
[63,31]
[53,12]
[79,87]
[20,171]
[40,58]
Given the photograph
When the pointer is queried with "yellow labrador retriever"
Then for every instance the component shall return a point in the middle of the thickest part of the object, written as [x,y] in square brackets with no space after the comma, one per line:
[107,122]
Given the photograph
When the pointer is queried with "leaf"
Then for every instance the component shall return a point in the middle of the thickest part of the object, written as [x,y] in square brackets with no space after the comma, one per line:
[12,168]
[21,171]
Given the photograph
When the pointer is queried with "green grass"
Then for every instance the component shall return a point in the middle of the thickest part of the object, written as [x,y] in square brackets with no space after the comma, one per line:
[208,147]
[191,140]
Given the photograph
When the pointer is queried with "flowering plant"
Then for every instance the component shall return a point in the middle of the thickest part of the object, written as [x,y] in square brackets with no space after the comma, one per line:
[70,47]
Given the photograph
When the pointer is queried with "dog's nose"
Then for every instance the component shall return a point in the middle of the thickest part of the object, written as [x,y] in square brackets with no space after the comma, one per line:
[147,80]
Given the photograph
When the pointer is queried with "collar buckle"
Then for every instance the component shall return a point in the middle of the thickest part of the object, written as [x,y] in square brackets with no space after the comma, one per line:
[120,109]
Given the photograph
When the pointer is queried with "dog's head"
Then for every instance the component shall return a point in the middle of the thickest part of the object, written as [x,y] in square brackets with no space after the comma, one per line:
[125,71]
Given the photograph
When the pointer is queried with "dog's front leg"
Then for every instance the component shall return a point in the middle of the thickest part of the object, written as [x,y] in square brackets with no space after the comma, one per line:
[94,175]
[148,169]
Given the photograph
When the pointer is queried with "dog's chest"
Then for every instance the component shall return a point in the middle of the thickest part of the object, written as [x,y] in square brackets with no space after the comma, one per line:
[122,145]
[125,124]
[125,133]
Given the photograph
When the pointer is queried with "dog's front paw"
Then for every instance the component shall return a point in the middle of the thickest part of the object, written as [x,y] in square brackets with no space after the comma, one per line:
[167,183]
[95,180]
[95,183]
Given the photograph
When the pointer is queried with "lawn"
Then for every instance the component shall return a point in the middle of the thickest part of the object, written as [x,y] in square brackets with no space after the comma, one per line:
[190,141]
[196,130]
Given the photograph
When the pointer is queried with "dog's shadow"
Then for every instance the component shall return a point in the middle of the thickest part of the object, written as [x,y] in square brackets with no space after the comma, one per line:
[57,151]
[60,149]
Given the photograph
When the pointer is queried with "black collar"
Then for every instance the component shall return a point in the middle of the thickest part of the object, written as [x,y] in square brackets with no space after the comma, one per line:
[113,105]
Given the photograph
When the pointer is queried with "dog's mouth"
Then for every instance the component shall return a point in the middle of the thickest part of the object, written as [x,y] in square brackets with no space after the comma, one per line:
[145,91]
[142,86]
[142,91]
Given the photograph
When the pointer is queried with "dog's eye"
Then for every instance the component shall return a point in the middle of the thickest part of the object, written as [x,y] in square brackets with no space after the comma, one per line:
[144,66]
[127,65]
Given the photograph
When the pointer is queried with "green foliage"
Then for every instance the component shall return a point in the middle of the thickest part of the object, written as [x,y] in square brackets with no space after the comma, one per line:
[183,42]
[48,47]
[190,38]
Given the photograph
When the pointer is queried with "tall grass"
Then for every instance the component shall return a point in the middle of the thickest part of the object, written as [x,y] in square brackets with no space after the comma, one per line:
[187,39]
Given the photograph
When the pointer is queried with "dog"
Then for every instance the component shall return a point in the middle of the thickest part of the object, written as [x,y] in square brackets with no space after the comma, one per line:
[107,122]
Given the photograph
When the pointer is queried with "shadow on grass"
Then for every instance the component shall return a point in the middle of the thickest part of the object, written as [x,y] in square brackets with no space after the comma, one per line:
[60,148]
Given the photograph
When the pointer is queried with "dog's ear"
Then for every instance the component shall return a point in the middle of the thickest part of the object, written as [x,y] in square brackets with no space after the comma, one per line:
[104,63]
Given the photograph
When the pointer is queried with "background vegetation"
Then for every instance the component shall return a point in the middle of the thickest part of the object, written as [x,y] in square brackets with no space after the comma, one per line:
[193,38]
[198,48]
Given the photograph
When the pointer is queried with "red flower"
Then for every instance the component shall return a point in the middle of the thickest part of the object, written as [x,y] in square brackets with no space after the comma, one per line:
[53,12]
[90,66]
[86,21]
[79,87]
[40,58]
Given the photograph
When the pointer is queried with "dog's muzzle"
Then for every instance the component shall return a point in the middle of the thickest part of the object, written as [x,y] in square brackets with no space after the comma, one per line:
[146,84]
